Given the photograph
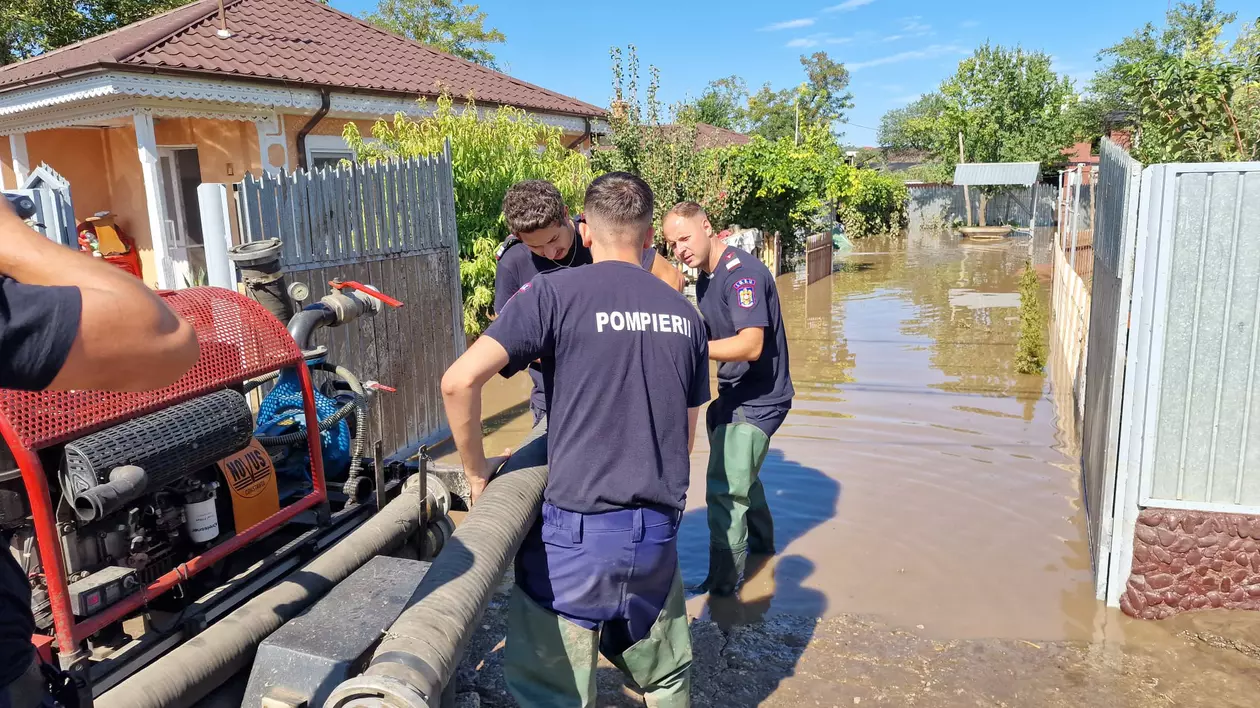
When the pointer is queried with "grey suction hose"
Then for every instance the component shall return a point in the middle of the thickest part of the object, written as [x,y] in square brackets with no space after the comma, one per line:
[422,649]
[191,671]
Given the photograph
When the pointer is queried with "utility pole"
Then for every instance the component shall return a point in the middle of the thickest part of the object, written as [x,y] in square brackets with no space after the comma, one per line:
[962,158]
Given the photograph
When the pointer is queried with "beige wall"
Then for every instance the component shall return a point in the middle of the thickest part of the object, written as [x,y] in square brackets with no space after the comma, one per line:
[328,126]
[78,154]
[103,166]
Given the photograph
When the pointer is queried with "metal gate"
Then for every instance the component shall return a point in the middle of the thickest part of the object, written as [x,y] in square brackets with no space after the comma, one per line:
[390,225]
[1114,236]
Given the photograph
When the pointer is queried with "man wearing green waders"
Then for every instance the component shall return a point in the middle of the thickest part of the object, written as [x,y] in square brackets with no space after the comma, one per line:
[740,304]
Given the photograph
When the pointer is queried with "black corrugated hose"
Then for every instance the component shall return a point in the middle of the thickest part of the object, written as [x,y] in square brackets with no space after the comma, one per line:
[422,649]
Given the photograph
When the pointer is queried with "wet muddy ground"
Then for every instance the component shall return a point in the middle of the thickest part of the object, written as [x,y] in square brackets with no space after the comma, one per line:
[931,535]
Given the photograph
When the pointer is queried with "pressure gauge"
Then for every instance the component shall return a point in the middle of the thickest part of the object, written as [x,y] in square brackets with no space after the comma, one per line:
[299,291]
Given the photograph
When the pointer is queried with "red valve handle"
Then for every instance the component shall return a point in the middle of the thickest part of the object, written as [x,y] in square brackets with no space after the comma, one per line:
[356,285]
[378,386]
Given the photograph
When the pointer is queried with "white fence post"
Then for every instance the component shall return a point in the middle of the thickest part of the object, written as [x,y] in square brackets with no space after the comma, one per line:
[216,230]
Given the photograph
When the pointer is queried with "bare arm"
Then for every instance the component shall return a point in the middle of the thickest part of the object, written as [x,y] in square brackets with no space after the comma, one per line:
[128,339]
[665,270]
[693,414]
[744,346]
[461,392]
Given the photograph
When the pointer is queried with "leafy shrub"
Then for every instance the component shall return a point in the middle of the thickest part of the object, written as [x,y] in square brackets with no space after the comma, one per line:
[489,154]
[1030,350]
[876,205]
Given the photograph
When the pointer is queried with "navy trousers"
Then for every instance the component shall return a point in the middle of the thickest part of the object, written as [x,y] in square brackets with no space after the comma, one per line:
[610,572]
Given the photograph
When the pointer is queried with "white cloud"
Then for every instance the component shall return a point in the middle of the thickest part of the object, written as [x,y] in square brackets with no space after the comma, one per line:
[848,6]
[969,23]
[813,40]
[789,24]
[910,27]
[928,52]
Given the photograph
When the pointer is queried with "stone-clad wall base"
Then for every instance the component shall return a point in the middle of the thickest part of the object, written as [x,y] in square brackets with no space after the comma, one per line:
[1189,560]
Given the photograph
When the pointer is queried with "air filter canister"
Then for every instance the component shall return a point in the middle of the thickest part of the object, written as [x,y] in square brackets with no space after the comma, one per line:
[168,445]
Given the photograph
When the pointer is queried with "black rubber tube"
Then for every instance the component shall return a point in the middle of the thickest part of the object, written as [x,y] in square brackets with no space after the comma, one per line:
[195,668]
[422,649]
[125,483]
[302,326]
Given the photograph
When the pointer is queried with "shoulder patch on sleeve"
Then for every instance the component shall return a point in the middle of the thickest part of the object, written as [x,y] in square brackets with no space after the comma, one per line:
[745,292]
[519,290]
[508,242]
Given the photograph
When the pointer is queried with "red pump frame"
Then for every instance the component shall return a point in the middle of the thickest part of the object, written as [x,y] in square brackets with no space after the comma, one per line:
[239,340]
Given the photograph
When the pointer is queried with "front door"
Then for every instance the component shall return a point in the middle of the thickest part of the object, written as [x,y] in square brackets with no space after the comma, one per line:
[181,174]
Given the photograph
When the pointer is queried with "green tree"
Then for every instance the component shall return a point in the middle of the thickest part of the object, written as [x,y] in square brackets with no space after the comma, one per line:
[448,25]
[657,144]
[1008,105]
[489,154]
[721,104]
[912,127]
[822,99]
[34,27]
[1191,95]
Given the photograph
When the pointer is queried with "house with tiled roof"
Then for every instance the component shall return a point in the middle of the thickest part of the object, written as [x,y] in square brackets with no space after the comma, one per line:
[136,118]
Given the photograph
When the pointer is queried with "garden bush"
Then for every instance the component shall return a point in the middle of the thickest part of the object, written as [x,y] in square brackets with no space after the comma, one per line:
[489,154]
[875,205]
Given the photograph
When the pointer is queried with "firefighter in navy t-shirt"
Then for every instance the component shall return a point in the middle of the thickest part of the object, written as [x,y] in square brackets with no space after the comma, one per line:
[623,358]
[740,304]
[68,322]
[537,218]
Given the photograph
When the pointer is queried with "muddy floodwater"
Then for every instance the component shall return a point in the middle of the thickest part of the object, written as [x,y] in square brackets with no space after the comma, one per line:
[919,480]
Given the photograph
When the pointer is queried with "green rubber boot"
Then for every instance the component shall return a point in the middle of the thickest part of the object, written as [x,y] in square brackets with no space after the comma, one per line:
[736,451]
[548,662]
[660,663]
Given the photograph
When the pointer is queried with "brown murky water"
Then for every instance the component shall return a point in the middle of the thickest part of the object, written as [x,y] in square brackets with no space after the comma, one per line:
[918,479]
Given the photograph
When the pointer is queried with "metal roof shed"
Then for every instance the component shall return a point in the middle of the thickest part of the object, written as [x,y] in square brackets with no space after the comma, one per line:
[1001,174]
[994,174]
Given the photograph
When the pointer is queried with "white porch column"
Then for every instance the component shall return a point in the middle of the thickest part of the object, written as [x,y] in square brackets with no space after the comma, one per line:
[21,163]
[154,200]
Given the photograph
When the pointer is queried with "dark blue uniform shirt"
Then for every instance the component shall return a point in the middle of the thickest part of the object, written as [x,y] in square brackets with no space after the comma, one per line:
[518,265]
[623,357]
[741,294]
[38,325]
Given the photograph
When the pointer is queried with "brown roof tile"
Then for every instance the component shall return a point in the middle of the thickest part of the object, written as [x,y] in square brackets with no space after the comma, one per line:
[299,41]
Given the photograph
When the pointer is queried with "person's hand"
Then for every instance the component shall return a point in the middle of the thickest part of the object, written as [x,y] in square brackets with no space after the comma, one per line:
[476,485]
[478,479]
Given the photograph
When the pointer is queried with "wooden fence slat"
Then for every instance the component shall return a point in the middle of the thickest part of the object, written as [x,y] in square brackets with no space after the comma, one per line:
[251,218]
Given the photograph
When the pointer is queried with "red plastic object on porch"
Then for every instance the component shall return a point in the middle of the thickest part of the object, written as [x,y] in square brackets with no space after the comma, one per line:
[101,234]
[239,340]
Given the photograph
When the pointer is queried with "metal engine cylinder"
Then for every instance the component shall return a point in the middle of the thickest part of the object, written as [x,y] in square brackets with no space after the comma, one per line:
[168,445]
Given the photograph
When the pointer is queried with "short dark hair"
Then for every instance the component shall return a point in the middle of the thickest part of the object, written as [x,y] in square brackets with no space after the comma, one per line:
[687,210]
[620,199]
[532,204]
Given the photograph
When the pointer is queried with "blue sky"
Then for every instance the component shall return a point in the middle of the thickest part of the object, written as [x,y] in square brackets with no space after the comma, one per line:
[895,49]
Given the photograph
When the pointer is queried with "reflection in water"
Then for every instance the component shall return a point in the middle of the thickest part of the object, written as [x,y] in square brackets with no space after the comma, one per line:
[918,477]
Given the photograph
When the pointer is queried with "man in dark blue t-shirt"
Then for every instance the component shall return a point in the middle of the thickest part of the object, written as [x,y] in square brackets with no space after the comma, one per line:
[740,304]
[68,321]
[624,364]
[539,223]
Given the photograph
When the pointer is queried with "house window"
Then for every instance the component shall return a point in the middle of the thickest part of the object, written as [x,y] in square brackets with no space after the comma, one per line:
[323,151]
[319,159]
